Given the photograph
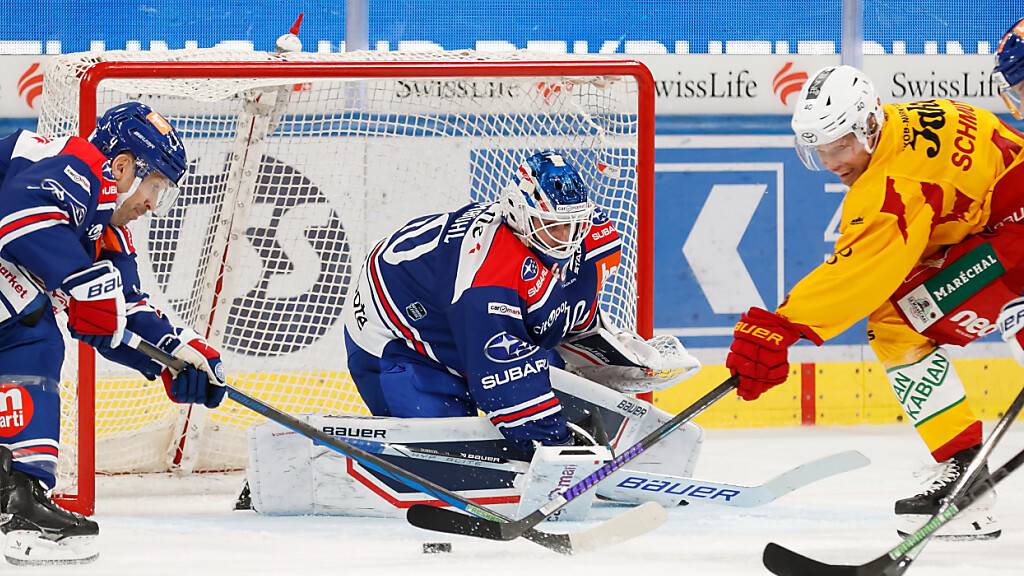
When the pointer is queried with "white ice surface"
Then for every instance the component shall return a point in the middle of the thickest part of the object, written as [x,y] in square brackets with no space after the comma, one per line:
[184,526]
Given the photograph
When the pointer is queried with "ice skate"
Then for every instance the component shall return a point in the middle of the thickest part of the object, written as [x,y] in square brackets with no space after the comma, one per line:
[38,531]
[975,523]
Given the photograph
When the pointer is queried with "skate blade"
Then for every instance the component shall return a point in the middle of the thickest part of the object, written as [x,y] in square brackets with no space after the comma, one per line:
[960,537]
[976,527]
[24,548]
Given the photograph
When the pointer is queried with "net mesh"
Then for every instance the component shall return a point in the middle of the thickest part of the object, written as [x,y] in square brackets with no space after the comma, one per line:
[289,183]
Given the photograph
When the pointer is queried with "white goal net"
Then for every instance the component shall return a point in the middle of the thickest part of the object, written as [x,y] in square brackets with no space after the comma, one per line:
[291,179]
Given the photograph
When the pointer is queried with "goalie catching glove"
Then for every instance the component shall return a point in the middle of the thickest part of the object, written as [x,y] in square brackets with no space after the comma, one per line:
[625,362]
[202,380]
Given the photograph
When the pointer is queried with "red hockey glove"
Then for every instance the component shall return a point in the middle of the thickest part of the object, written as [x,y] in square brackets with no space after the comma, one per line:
[758,354]
[96,306]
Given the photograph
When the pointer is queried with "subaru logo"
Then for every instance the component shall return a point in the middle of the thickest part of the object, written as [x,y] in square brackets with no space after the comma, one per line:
[809,137]
[503,347]
[530,268]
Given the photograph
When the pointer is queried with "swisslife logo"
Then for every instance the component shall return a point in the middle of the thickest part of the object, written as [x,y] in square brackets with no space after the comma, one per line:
[788,81]
[730,84]
[30,85]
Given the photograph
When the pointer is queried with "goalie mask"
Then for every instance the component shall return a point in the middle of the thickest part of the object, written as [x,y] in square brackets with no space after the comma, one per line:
[835,102]
[547,205]
[160,160]
[1009,70]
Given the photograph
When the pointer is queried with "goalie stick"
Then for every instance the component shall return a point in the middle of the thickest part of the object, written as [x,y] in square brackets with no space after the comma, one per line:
[784,562]
[442,520]
[665,489]
[632,523]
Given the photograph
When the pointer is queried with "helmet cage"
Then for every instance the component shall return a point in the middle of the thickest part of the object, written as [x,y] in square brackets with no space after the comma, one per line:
[536,216]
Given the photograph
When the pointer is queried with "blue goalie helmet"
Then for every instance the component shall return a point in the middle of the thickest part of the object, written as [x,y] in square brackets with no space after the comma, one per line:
[547,205]
[1009,69]
[135,127]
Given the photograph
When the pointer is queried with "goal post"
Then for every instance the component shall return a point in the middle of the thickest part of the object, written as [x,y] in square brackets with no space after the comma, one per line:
[298,163]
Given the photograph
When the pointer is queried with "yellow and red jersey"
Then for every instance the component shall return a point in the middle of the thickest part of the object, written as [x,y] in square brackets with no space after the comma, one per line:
[929,184]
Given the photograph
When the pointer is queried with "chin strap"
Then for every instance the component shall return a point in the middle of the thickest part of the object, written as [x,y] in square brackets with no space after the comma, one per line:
[122,196]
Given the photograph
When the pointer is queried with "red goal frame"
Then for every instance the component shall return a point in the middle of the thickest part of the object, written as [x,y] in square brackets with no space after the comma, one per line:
[83,501]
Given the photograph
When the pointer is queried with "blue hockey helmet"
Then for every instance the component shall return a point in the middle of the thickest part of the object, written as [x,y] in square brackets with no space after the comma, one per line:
[547,205]
[136,128]
[1009,69]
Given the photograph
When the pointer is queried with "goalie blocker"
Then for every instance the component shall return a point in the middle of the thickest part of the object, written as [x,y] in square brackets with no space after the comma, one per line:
[287,475]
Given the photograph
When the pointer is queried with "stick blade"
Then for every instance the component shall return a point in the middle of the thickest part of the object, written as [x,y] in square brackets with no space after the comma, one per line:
[452,522]
[784,562]
[816,470]
[630,524]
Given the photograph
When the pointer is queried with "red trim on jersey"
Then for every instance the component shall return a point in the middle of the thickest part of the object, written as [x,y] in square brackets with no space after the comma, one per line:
[28,220]
[397,503]
[392,315]
[503,267]
[84,150]
[600,235]
[529,411]
[117,242]
[126,235]
[33,450]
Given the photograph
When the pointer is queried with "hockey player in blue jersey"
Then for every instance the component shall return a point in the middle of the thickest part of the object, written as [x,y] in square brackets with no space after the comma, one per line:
[457,311]
[462,311]
[477,310]
[65,249]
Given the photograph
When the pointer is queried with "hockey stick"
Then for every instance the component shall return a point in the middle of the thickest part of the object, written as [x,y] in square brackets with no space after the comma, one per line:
[627,525]
[630,485]
[445,457]
[634,486]
[442,520]
[785,562]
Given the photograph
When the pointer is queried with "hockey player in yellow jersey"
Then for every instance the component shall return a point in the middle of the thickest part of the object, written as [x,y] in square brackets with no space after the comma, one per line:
[930,250]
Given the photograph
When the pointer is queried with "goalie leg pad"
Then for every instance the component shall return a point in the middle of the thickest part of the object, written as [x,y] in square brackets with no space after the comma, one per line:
[627,420]
[288,475]
[553,470]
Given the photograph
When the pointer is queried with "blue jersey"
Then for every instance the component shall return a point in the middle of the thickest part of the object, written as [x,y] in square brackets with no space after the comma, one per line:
[56,200]
[463,293]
